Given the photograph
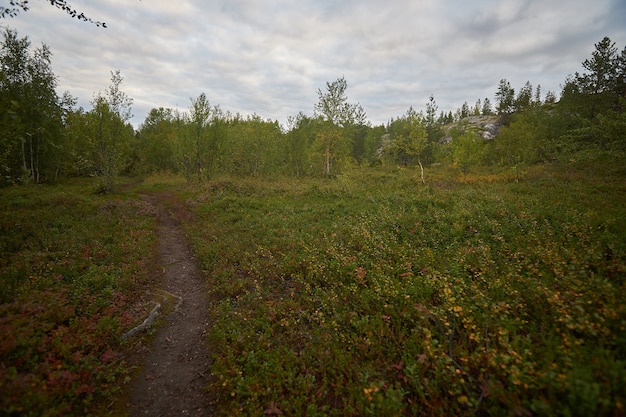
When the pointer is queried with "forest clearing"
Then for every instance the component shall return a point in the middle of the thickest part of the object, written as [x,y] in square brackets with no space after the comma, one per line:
[210,263]
[372,293]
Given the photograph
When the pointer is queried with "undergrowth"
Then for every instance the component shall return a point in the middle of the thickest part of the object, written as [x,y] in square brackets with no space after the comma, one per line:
[371,294]
[500,292]
[71,267]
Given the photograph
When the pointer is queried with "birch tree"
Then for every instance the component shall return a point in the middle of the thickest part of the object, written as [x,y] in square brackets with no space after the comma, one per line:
[112,111]
[338,114]
[30,116]
[408,140]
[196,157]
[156,142]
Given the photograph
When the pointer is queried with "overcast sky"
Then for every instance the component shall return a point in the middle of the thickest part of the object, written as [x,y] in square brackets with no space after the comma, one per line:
[271,57]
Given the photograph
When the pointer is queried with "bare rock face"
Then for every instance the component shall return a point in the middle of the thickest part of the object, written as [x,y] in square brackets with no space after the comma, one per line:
[490,130]
[486,126]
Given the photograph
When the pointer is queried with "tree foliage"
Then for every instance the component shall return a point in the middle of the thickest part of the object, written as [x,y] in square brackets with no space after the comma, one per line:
[602,82]
[255,147]
[198,158]
[156,142]
[468,150]
[44,137]
[526,140]
[30,122]
[17,6]
[339,117]
[524,97]
[408,140]
[109,126]
[505,98]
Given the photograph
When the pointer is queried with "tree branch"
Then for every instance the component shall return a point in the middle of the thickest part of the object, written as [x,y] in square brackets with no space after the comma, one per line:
[18,6]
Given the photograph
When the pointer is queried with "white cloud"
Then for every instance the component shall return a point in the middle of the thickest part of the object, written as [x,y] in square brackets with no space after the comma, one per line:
[271,57]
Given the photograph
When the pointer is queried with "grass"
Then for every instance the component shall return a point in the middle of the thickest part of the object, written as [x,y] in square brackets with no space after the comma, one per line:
[72,265]
[495,293]
[372,294]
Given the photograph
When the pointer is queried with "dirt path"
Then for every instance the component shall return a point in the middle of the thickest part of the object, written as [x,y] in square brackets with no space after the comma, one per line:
[174,378]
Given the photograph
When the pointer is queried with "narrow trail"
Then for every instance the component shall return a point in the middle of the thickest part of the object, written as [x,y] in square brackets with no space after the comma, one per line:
[176,371]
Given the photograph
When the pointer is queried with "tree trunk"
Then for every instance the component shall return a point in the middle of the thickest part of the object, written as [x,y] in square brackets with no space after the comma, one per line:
[36,160]
[32,158]
[327,161]
[24,165]
[419,161]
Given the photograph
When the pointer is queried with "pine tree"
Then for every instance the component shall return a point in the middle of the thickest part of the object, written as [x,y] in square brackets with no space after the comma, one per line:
[505,98]
[600,82]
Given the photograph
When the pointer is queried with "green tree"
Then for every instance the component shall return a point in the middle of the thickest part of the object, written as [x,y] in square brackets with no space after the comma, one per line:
[486,109]
[432,124]
[529,138]
[591,103]
[197,156]
[476,109]
[111,113]
[524,97]
[157,139]
[254,147]
[372,143]
[14,60]
[338,115]
[550,98]
[537,99]
[599,82]
[202,139]
[572,106]
[416,140]
[431,112]
[465,111]
[467,149]
[505,98]
[59,153]
[81,154]
[407,140]
[302,131]
[357,134]
[30,119]
[44,117]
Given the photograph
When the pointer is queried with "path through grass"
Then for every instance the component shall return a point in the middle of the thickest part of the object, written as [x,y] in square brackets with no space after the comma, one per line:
[495,293]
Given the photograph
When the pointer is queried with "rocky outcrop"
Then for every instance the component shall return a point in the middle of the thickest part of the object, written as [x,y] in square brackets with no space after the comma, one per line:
[486,126]
[489,126]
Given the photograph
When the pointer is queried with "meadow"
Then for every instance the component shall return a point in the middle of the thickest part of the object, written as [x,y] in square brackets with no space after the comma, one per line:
[499,292]
[74,267]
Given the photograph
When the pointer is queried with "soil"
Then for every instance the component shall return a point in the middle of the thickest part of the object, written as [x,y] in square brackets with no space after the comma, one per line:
[174,376]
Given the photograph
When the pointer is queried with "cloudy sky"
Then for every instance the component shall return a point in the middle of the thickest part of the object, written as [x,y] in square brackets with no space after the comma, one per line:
[271,57]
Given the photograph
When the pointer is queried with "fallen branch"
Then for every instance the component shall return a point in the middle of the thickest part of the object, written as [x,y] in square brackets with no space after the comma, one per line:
[145,325]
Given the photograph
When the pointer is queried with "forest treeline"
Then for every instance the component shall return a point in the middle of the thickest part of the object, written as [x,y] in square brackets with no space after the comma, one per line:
[46,137]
